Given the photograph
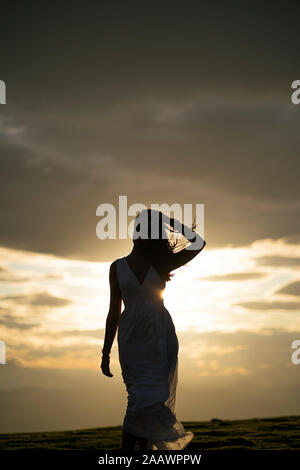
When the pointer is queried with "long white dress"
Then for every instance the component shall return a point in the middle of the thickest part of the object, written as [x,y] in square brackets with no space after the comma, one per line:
[148,354]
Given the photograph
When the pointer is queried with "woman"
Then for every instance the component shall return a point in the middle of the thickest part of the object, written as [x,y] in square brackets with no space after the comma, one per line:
[147,340]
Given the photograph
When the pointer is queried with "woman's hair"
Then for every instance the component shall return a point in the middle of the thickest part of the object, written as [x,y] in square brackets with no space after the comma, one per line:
[159,249]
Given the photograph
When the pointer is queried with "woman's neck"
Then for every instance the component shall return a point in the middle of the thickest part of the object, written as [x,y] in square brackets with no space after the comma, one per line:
[139,252]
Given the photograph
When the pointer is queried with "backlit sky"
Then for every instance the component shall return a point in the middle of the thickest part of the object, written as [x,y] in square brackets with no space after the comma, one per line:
[161,103]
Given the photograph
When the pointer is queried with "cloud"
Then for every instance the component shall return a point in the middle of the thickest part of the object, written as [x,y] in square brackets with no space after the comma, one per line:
[167,128]
[96,333]
[43,299]
[269,305]
[6,275]
[227,371]
[290,289]
[244,276]
[52,276]
[9,276]
[13,322]
[294,239]
[278,261]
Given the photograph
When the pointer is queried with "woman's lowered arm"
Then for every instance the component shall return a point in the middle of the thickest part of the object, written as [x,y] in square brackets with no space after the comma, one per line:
[112,319]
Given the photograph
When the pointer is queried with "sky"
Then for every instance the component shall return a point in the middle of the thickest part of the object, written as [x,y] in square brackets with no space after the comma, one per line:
[164,103]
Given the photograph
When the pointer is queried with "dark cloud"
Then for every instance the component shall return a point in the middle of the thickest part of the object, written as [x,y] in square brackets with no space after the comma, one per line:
[169,104]
[290,289]
[38,299]
[293,239]
[246,276]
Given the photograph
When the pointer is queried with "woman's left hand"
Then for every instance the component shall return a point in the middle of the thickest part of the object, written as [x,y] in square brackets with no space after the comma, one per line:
[105,366]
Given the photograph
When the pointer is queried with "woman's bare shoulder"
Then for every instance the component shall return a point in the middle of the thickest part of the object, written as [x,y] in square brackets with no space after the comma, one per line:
[113,277]
[113,266]
[113,263]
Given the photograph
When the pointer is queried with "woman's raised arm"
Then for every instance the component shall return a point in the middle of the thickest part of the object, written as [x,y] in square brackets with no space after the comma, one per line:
[175,260]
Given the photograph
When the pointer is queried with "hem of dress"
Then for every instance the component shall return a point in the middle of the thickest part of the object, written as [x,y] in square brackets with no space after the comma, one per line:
[157,444]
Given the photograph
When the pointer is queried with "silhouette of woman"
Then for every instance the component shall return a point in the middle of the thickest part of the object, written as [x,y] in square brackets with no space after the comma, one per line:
[147,341]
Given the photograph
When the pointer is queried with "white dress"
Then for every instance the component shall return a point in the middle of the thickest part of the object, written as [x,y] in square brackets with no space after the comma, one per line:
[148,354]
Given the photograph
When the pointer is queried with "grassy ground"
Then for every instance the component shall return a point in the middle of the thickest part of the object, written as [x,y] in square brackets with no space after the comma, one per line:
[282,433]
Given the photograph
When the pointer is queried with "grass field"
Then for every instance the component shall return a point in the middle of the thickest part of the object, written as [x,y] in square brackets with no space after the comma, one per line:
[282,433]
